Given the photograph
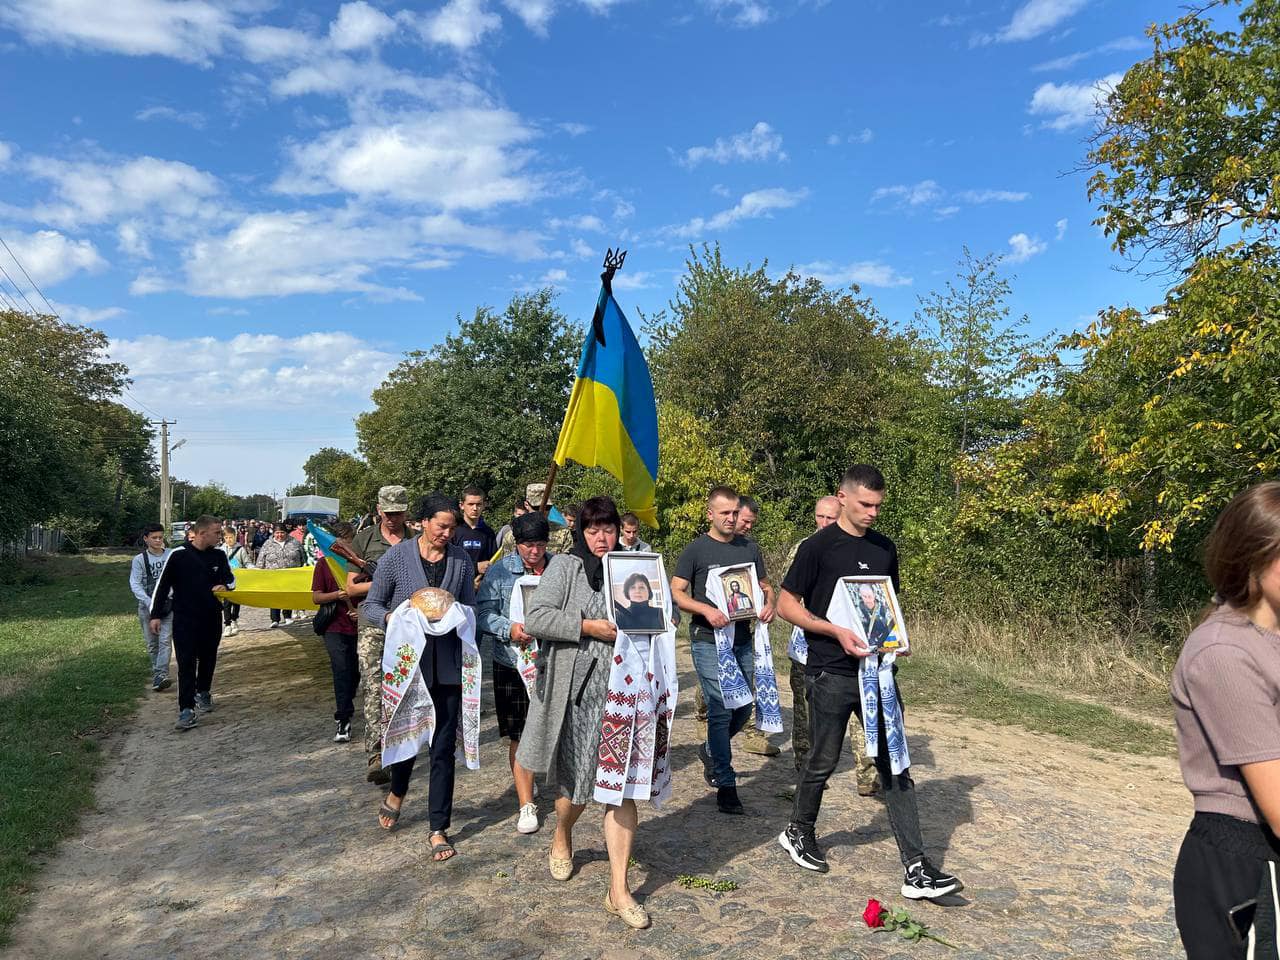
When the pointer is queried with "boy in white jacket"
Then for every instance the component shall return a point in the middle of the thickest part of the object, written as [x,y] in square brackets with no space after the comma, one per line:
[144,573]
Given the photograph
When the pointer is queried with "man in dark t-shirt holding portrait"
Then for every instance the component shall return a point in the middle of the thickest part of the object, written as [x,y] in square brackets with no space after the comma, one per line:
[848,547]
[720,546]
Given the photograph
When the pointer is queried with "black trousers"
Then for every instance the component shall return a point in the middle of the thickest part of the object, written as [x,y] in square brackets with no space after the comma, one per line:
[346,672]
[195,646]
[230,612]
[275,614]
[447,698]
[832,699]
[1221,864]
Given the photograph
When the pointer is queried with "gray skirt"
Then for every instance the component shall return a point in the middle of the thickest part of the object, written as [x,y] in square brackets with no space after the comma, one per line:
[578,753]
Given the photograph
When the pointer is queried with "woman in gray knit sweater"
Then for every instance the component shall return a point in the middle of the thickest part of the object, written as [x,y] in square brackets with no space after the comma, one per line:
[561,737]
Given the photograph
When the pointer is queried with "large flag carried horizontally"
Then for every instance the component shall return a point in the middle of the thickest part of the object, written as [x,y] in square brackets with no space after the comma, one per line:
[612,420]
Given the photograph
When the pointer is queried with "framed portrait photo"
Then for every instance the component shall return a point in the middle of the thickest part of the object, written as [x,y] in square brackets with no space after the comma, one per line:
[877,614]
[740,586]
[637,595]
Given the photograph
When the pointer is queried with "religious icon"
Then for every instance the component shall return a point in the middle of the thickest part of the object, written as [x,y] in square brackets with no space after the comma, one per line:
[740,585]
[637,598]
[526,594]
[877,614]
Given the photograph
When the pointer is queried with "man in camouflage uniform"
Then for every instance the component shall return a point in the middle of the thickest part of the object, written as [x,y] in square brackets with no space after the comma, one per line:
[561,537]
[370,544]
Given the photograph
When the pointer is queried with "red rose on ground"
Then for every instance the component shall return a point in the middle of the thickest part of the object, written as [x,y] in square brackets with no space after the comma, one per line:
[874,914]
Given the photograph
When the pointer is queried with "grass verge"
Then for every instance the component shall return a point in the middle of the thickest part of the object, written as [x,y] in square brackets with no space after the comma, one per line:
[72,667]
[1080,686]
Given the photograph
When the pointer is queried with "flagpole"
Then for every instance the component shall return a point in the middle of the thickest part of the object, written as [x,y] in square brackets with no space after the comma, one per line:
[613,261]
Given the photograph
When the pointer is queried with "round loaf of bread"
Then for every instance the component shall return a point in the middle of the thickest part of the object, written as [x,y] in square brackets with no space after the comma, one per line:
[432,602]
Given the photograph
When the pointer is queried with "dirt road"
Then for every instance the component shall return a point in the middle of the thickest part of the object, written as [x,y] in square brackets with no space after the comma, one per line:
[254,836]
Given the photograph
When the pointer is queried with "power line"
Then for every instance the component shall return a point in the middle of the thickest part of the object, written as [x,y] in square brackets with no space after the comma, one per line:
[29,280]
[34,311]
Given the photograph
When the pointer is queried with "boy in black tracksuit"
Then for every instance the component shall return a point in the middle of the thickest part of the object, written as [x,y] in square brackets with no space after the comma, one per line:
[193,572]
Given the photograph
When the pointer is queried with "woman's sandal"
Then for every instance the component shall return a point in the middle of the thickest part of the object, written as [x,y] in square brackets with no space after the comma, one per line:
[439,848]
[390,813]
[561,867]
[634,916]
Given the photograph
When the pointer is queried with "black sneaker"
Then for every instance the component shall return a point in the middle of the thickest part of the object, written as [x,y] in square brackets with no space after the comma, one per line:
[161,683]
[727,800]
[343,734]
[705,757]
[186,719]
[924,881]
[204,702]
[803,848]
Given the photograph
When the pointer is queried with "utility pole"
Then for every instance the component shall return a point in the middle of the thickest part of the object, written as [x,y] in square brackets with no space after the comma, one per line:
[166,503]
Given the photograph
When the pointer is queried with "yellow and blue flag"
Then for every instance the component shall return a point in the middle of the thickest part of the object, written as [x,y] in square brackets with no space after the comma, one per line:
[324,540]
[612,420]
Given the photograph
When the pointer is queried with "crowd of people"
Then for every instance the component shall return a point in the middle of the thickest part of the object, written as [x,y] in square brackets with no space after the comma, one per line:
[533,597]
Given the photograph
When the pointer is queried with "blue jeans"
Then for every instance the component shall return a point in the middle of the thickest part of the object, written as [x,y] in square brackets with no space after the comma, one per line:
[722,723]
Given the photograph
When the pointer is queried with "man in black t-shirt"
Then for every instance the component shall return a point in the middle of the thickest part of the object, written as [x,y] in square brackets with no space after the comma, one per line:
[473,534]
[718,547]
[848,547]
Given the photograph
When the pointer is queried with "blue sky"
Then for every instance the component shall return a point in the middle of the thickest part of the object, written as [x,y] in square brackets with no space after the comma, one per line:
[265,204]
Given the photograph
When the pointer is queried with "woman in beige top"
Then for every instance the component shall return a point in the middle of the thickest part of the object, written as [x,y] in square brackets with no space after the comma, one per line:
[1226,692]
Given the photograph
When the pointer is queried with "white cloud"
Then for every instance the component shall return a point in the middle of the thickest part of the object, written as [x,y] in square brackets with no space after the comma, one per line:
[634,280]
[586,222]
[553,278]
[1032,19]
[86,316]
[536,14]
[581,248]
[1022,248]
[192,118]
[1071,59]
[573,129]
[250,371]
[447,229]
[190,30]
[132,240]
[6,153]
[1071,105]
[758,203]
[742,13]
[51,257]
[274,44]
[623,209]
[992,196]
[863,136]
[460,24]
[282,253]
[1062,228]
[926,191]
[761,142]
[91,192]
[359,26]
[453,159]
[866,273]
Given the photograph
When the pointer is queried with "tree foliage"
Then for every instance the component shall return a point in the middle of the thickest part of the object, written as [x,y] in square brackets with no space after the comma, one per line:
[483,407]
[1189,151]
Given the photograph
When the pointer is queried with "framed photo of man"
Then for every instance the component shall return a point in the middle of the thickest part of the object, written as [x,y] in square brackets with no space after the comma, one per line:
[877,614]
[637,591]
[740,586]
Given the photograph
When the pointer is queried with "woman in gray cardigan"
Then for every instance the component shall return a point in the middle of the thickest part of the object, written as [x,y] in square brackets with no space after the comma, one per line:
[561,737]
[428,560]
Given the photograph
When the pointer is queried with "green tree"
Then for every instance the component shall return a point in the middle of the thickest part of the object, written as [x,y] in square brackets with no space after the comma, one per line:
[483,407]
[1188,153]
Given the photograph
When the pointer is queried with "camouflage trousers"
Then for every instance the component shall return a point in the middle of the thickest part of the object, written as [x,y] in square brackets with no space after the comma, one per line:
[369,650]
[864,765]
[749,729]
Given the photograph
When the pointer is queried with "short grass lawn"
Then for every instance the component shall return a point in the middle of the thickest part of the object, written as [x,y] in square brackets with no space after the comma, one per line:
[72,667]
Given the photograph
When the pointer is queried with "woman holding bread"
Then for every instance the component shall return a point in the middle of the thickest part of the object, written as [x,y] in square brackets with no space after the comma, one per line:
[428,560]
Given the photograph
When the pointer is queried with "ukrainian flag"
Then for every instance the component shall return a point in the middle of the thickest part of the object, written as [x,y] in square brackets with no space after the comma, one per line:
[324,540]
[612,420]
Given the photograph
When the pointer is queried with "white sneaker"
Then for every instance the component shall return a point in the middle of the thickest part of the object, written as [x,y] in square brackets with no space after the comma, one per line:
[528,822]
[234,629]
[286,621]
